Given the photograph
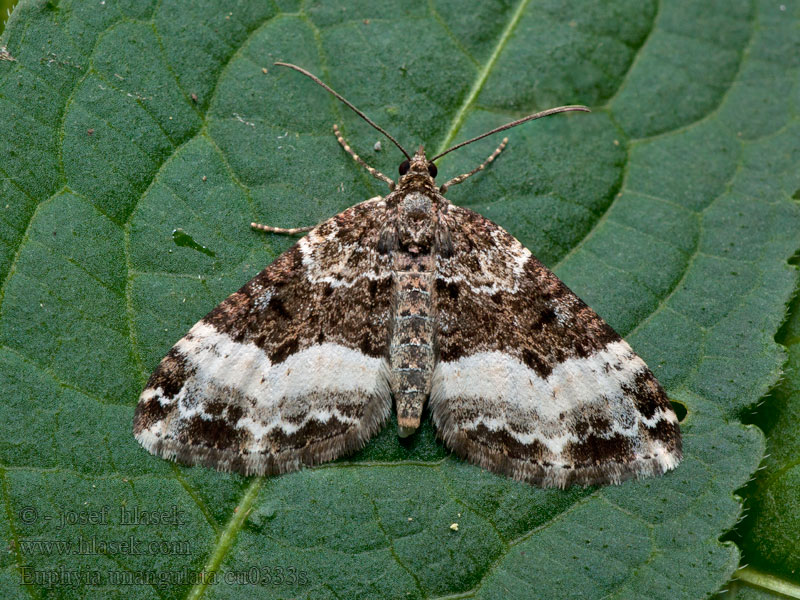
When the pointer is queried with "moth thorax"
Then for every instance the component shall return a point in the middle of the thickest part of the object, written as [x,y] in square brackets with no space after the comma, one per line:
[416,226]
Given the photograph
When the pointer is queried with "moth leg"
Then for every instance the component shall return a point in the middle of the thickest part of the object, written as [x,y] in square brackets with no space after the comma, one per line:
[480,167]
[374,172]
[282,230]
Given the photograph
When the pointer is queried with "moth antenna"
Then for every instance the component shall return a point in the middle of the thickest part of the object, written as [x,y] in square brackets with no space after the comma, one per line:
[538,115]
[318,81]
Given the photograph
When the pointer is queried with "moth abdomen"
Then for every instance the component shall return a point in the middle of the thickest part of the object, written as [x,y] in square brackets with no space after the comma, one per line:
[411,353]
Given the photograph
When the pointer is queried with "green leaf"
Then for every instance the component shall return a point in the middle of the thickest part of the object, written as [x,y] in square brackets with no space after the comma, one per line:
[668,209]
[770,534]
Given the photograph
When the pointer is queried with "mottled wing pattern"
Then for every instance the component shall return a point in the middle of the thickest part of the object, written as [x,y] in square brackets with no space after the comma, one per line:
[290,370]
[530,381]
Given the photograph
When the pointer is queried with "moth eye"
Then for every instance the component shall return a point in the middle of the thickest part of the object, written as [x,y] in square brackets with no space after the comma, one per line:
[404,167]
[432,169]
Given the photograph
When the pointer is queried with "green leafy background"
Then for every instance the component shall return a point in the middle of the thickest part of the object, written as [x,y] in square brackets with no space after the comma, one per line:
[669,209]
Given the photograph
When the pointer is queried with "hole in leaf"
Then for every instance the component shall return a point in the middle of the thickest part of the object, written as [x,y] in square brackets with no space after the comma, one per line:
[181,238]
[680,410]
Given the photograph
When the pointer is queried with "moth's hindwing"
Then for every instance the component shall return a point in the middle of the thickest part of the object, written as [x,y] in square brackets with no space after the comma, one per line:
[530,381]
[288,371]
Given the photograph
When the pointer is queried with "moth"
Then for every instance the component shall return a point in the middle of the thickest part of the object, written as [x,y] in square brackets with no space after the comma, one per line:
[409,298]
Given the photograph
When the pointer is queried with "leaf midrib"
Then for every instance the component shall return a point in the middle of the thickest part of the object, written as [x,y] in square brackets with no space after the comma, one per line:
[227,537]
[480,81]
[766,581]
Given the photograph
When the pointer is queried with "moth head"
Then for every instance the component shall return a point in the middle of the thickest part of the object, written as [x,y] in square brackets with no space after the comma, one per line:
[418,165]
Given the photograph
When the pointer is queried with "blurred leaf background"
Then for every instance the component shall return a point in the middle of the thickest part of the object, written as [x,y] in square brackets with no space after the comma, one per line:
[5,10]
